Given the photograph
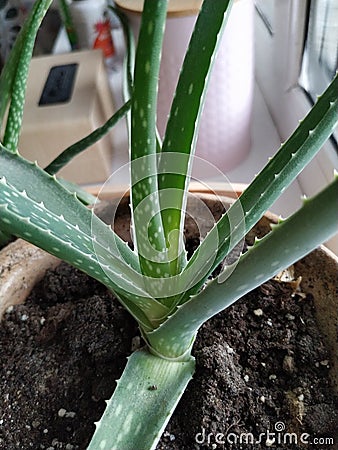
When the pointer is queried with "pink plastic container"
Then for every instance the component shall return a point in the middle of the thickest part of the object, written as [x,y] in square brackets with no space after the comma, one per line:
[224,136]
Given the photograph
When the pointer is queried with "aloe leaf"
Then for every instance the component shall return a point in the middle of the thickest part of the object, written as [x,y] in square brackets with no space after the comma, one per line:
[130,52]
[148,230]
[129,60]
[280,171]
[18,85]
[182,127]
[67,20]
[44,203]
[143,401]
[36,207]
[8,74]
[288,241]
[69,153]
[34,222]
[129,63]
[85,197]
[7,77]
[41,187]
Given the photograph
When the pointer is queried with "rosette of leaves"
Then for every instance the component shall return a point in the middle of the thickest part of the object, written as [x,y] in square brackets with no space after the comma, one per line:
[169,295]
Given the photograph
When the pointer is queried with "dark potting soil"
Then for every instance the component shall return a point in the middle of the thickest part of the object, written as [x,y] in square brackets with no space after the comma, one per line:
[262,371]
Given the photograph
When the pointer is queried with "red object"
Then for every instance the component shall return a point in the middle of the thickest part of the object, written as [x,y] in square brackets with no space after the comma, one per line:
[104,40]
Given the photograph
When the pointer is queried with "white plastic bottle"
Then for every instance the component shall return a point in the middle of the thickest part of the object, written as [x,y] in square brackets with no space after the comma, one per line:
[12,14]
[93,28]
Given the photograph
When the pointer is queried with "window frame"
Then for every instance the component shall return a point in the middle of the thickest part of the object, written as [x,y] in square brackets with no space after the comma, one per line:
[279,46]
[281,50]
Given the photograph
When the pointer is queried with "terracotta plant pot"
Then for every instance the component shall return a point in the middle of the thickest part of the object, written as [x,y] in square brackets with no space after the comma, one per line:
[318,270]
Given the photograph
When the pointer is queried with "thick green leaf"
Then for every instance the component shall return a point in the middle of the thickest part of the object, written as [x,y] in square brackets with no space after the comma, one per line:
[40,187]
[36,207]
[21,60]
[145,397]
[8,73]
[7,78]
[69,153]
[85,197]
[148,230]
[37,224]
[130,53]
[288,242]
[182,127]
[259,196]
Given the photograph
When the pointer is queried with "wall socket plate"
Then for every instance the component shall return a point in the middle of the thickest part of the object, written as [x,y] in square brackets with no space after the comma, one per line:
[68,97]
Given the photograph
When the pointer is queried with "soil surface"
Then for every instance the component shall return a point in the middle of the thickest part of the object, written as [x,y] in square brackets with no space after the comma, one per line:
[261,371]
[261,367]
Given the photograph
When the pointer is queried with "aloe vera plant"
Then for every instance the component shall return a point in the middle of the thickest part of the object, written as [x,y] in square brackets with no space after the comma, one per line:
[169,295]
